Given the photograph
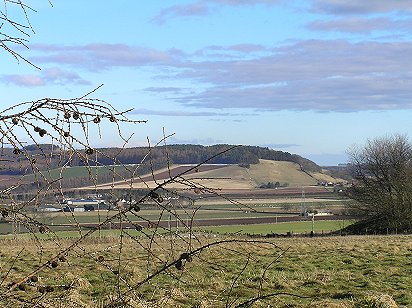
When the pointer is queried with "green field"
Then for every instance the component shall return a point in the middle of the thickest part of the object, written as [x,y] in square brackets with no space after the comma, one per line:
[66,220]
[282,228]
[299,227]
[58,218]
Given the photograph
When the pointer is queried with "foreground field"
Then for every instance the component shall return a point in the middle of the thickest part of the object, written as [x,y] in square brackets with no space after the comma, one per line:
[348,271]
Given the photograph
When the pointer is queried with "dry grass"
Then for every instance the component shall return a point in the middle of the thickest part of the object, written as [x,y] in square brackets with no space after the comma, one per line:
[313,272]
[280,171]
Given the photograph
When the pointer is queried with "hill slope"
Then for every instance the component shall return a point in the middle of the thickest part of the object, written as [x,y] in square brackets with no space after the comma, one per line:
[230,176]
[251,166]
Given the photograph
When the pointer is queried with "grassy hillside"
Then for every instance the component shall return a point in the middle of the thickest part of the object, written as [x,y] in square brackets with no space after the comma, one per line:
[283,172]
[266,171]
[237,177]
[286,173]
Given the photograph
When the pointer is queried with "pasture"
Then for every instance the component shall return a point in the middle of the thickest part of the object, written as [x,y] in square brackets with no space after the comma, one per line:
[352,271]
[296,227]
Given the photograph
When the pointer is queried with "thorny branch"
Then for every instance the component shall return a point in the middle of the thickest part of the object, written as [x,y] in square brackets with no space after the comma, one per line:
[63,128]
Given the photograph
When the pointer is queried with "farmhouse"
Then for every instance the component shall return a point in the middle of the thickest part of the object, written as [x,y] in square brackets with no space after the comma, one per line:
[78,205]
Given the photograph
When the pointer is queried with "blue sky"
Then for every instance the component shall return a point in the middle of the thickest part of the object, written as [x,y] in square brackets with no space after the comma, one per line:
[308,77]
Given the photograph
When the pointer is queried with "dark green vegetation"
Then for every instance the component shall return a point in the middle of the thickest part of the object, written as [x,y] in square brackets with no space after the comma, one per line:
[383,185]
[353,271]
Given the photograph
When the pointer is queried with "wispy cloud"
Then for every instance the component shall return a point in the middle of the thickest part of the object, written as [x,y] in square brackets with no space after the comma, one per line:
[97,57]
[239,51]
[276,146]
[344,7]
[361,25]
[203,7]
[174,90]
[199,141]
[179,113]
[192,9]
[47,76]
[24,80]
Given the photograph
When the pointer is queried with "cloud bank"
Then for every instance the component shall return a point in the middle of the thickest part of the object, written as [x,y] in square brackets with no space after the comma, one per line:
[341,75]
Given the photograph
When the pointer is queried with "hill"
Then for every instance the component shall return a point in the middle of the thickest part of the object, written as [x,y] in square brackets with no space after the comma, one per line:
[250,166]
[17,159]
[232,176]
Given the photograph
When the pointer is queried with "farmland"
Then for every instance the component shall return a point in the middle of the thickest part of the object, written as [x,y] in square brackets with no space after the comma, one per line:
[230,197]
[225,176]
[203,212]
[242,244]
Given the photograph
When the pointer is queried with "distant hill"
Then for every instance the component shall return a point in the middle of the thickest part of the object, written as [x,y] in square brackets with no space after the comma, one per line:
[264,174]
[253,160]
[159,156]
[342,171]
[195,154]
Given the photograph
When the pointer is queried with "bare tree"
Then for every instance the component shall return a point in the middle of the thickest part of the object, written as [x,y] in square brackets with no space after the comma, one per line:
[15,27]
[382,189]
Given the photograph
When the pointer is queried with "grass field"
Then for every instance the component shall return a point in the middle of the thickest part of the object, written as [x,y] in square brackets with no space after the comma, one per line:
[213,214]
[299,227]
[361,271]
[155,214]
[282,228]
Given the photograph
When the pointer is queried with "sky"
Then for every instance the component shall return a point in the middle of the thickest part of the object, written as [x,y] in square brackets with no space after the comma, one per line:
[314,77]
